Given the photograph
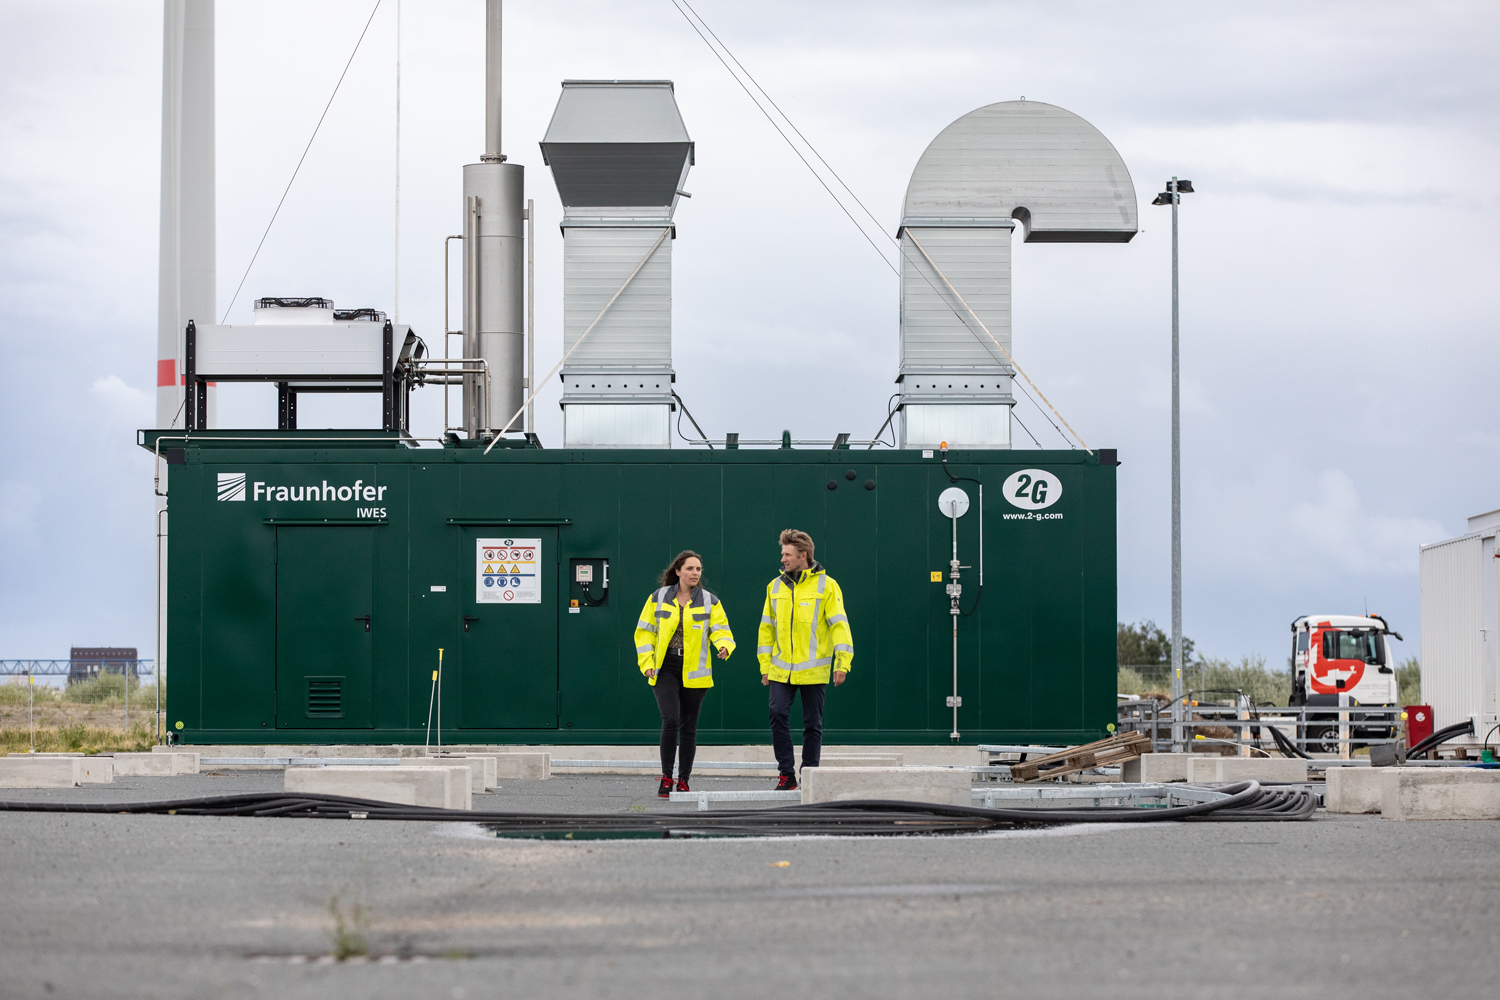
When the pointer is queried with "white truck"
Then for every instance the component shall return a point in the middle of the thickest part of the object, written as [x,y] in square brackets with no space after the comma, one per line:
[1343,655]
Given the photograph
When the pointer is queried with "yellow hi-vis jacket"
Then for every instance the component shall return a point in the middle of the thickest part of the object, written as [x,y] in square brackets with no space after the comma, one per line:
[804,632]
[704,624]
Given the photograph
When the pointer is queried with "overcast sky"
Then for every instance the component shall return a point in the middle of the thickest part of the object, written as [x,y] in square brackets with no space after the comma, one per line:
[1339,298]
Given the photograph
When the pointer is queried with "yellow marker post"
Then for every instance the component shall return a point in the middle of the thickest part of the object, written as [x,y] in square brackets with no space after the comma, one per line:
[434,700]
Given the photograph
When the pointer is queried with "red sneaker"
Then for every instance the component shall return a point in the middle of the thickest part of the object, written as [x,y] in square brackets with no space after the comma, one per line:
[664,791]
[682,785]
[788,783]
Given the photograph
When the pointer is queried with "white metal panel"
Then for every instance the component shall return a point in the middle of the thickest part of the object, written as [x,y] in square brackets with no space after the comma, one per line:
[604,425]
[1452,616]
[1489,678]
[309,351]
[1027,155]
[616,111]
[936,329]
[961,425]
[636,332]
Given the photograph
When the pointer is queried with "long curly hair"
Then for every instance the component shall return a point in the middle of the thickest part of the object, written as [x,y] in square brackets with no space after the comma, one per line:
[668,576]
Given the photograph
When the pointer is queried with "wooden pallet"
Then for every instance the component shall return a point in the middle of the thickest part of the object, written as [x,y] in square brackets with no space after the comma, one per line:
[1111,750]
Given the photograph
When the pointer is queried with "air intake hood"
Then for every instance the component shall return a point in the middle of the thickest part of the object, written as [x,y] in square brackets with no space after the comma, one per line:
[618,149]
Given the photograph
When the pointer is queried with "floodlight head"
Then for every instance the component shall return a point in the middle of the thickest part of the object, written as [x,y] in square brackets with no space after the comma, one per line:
[1165,198]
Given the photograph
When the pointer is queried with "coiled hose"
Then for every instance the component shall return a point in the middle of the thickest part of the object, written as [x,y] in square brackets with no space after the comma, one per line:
[1245,801]
[1465,728]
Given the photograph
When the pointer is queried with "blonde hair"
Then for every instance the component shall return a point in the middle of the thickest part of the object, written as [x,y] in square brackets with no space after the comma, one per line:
[799,540]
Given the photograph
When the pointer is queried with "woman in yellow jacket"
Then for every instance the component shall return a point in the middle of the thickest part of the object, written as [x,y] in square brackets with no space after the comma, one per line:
[680,622]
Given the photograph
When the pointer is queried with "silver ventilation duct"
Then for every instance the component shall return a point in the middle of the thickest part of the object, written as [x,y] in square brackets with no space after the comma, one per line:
[619,154]
[494,264]
[1017,163]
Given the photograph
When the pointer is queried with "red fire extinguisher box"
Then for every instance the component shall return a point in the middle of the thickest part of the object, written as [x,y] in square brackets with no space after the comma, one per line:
[1418,724]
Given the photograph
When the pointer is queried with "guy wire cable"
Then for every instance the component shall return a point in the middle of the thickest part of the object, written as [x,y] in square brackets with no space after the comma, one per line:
[679,4]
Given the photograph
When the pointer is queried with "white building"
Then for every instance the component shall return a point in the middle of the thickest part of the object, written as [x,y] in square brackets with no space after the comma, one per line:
[1460,668]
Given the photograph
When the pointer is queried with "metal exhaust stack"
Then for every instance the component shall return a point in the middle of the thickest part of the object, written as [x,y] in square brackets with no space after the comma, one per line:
[493,282]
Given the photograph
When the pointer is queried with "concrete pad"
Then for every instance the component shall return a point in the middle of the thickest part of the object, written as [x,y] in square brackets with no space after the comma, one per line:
[155,764]
[1414,793]
[36,771]
[948,786]
[443,787]
[1355,790]
[50,753]
[530,766]
[1157,767]
[1222,769]
[482,768]
[98,770]
[861,760]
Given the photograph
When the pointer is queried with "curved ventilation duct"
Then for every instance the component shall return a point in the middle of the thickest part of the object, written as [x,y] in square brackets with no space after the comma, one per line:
[1016,162]
[619,154]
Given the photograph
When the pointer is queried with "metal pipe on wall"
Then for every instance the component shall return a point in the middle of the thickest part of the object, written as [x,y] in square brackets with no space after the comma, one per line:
[530,314]
[492,81]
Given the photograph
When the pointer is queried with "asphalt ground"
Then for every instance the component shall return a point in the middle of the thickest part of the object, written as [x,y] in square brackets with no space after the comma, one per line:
[179,906]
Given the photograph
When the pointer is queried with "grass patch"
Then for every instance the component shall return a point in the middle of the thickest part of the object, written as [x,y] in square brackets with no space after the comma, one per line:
[79,737]
[104,691]
[349,935]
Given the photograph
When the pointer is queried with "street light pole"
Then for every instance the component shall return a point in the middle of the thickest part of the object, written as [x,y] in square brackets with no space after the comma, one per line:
[1173,196]
[1177,692]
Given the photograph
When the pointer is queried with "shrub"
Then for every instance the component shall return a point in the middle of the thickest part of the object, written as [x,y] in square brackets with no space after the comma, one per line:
[1409,681]
[14,693]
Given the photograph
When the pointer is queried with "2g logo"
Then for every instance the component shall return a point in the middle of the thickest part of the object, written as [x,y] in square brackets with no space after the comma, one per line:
[1032,489]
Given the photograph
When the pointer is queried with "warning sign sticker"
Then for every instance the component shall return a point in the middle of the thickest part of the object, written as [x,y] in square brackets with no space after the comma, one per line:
[508,571]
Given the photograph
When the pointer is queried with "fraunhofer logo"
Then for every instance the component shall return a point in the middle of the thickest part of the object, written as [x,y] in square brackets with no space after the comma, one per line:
[231,486]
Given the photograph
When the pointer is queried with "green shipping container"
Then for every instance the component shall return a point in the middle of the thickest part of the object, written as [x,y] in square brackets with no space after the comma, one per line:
[313,577]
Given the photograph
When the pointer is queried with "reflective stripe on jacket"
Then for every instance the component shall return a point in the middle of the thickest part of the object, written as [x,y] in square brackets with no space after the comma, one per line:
[705,627]
[804,633]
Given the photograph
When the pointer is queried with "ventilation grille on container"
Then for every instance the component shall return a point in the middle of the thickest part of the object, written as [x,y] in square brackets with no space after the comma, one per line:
[325,697]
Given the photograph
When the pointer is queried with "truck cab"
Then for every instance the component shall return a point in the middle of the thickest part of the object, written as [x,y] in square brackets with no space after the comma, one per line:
[1334,655]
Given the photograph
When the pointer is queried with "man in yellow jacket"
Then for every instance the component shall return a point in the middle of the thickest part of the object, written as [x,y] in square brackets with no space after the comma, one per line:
[804,636]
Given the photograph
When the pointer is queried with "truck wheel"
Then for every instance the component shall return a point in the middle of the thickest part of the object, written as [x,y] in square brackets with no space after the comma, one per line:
[1325,740]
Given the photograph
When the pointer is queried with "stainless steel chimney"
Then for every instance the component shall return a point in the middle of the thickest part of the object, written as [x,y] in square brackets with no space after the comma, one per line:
[494,264]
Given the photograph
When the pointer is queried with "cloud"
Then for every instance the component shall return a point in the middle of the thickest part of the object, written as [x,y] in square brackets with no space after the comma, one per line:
[124,402]
[18,505]
[1335,526]
[1327,532]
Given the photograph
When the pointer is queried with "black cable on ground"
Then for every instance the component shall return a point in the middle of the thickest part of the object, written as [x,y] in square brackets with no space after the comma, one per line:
[1246,801]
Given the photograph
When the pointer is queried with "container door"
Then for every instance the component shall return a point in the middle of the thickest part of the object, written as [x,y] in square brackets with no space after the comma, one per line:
[508,636]
[325,629]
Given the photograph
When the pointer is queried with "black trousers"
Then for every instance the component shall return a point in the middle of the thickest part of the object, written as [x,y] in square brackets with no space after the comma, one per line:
[679,708]
[782,694]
